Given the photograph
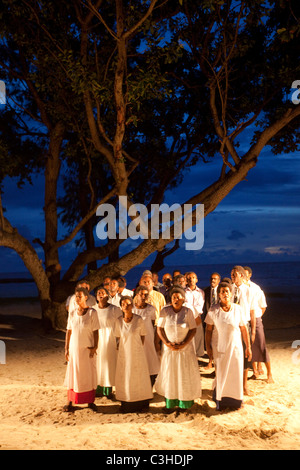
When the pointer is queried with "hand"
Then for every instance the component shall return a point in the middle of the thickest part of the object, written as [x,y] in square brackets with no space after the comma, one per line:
[171,346]
[248,353]
[93,351]
[67,355]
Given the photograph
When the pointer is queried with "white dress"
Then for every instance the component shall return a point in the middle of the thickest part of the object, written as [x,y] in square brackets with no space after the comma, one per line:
[179,376]
[107,346]
[132,374]
[148,314]
[227,351]
[81,375]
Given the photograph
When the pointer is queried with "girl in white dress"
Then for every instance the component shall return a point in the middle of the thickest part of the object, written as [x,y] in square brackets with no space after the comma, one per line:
[133,386]
[107,350]
[179,378]
[80,350]
[148,314]
[224,332]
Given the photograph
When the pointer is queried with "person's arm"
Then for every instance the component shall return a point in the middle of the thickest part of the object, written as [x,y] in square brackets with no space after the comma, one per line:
[162,335]
[187,339]
[253,325]
[245,336]
[67,344]
[93,349]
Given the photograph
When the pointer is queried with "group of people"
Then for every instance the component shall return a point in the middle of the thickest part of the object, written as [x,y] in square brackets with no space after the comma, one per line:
[151,337]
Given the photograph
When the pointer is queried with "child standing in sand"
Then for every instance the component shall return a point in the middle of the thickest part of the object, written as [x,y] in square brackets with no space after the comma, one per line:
[80,350]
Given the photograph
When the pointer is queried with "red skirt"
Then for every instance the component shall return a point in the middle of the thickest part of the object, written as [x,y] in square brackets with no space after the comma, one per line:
[79,398]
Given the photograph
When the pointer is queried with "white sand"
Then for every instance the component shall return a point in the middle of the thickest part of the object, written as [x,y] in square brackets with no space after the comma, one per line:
[32,397]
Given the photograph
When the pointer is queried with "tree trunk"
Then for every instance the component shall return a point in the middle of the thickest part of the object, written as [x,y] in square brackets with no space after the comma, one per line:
[52,169]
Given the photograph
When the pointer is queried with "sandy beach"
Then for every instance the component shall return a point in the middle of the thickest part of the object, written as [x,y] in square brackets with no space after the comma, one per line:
[32,396]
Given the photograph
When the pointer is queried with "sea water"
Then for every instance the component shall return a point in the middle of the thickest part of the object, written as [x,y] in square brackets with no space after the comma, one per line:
[276,276]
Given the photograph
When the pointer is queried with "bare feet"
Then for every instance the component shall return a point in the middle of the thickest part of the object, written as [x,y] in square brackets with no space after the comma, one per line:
[68,408]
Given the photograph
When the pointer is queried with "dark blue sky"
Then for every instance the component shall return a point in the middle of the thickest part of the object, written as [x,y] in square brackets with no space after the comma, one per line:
[258,221]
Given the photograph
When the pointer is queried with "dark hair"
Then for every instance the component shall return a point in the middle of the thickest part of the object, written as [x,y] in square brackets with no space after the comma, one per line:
[177,290]
[82,289]
[124,297]
[240,270]
[122,281]
[216,274]
[101,287]
[247,268]
[139,288]
[176,279]
[83,281]
[226,279]
[225,284]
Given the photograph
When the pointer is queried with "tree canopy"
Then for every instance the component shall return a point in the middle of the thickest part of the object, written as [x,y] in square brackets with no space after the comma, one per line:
[123,98]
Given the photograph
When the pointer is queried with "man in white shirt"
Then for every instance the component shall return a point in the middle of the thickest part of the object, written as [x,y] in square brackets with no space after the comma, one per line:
[114,296]
[71,303]
[122,287]
[195,297]
[245,299]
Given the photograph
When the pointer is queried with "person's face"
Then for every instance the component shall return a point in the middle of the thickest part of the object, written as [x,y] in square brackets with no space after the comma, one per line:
[167,280]
[155,278]
[126,307]
[248,275]
[80,299]
[192,280]
[236,277]
[182,281]
[113,286]
[214,280]
[143,295]
[225,295]
[106,282]
[101,295]
[148,282]
[177,301]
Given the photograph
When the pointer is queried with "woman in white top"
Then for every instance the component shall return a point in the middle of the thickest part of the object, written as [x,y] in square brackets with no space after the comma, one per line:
[179,378]
[224,332]
[133,386]
[148,314]
[107,350]
[80,350]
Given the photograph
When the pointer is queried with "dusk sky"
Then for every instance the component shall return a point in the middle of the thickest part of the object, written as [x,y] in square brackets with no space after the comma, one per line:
[258,221]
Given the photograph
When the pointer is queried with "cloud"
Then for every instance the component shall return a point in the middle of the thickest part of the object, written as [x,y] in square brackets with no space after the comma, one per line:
[282,250]
[236,235]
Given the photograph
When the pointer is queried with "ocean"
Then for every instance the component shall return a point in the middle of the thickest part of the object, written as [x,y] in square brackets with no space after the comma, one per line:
[272,277]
